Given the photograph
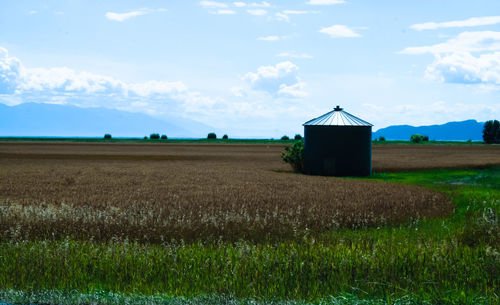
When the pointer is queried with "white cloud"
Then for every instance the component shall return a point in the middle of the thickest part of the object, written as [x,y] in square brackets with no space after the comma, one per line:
[261,4]
[462,67]
[295,55]
[281,80]
[325,2]
[65,86]
[237,91]
[464,42]
[10,71]
[224,12]
[257,12]
[239,4]
[295,90]
[32,12]
[272,38]
[285,15]
[247,106]
[254,8]
[294,12]
[471,22]
[213,4]
[282,17]
[120,17]
[468,58]
[336,31]
[123,16]
[280,70]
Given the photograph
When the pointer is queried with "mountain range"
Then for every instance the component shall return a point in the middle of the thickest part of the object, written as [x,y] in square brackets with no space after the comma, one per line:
[34,119]
[452,131]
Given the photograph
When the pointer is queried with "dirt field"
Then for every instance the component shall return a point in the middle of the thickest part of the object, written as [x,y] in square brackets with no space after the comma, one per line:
[159,192]
[397,158]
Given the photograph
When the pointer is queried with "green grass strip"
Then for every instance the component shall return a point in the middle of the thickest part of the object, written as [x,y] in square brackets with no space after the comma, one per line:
[109,298]
[306,270]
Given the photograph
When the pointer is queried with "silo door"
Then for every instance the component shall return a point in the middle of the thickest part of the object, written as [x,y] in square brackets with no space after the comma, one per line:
[329,167]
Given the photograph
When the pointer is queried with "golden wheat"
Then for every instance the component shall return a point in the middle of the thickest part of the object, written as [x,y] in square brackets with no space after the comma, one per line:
[155,193]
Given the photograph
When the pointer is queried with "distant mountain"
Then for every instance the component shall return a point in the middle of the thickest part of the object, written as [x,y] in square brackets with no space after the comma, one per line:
[452,131]
[33,119]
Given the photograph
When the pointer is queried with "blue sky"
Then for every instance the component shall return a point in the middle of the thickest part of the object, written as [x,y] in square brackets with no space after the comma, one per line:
[257,68]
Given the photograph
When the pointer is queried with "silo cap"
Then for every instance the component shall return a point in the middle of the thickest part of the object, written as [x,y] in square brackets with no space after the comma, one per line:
[337,117]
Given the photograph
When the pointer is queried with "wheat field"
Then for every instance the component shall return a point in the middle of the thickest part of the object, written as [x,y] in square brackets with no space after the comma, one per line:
[163,192]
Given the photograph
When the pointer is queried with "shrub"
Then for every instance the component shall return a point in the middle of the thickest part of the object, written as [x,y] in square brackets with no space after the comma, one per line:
[164,137]
[381,139]
[416,138]
[225,137]
[212,135]
[294,155]
[491,132]
[285,138]
[145,137]
[107,136]
[154,136]
[298,137]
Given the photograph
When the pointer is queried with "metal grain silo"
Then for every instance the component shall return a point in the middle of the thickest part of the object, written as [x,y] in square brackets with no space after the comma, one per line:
[338,144]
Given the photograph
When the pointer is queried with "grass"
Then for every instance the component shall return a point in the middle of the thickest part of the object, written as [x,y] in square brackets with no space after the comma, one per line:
[290,270]
[472,190]
[109,298]
[452,260]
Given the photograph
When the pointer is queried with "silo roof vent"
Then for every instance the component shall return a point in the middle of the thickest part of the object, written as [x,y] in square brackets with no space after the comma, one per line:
[337,117]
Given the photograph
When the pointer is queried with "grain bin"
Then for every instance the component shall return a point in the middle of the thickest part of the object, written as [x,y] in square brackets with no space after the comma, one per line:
[338,144]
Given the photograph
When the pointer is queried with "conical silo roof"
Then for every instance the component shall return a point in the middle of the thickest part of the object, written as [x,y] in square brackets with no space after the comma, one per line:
[337,117]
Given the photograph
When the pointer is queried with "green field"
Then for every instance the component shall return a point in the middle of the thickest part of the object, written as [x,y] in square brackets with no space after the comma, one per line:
[453,260]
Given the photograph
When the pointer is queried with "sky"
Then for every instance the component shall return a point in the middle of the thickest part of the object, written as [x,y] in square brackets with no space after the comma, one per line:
[257,68]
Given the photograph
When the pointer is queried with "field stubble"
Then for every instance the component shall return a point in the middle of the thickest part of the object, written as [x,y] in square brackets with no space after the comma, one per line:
[158,193]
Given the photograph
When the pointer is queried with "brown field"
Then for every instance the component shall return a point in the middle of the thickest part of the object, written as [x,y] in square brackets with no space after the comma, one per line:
[160,192]
[397,158]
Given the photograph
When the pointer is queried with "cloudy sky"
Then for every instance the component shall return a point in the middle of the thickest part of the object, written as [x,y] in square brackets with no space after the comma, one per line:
[257,68]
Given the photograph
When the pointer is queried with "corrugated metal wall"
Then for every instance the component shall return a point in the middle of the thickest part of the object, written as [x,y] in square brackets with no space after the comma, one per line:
[338,150]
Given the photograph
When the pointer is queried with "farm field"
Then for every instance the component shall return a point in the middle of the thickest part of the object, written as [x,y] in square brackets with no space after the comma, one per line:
[232,222]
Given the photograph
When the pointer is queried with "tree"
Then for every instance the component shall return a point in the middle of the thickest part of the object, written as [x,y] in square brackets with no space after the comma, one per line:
[225,137]
[212,135]
[298,137]
[164,137]
[107,136]
[285,138]
[381,139]
[416,138]
[491,132]
[154,136]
